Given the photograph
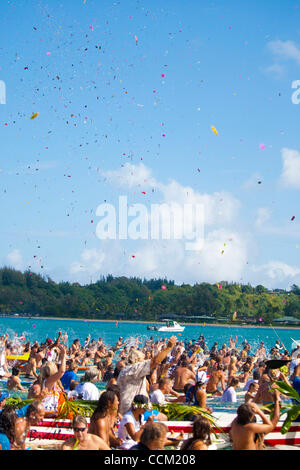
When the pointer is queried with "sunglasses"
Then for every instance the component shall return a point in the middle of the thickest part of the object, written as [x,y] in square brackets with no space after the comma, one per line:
[79,429]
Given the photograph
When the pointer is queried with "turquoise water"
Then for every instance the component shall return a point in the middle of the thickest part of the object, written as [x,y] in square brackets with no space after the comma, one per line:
[40,329]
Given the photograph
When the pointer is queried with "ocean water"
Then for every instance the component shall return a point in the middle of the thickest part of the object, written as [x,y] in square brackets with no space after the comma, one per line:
[40,329]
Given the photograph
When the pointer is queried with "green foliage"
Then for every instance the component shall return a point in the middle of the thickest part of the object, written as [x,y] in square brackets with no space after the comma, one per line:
[140,299]
[292,411]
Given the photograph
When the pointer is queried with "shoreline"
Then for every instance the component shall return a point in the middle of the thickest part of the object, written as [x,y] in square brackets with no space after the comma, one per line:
[203,324]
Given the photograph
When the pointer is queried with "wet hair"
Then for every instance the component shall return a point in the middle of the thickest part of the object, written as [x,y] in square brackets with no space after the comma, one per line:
[153,431]
[8,418]
[106,399]
[117,371]
[201,431]
[256,375]
[252,385]
[234,381]
[244,414]
[15,371]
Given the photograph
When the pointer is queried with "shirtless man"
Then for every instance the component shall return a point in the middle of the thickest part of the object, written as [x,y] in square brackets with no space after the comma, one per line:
[120,343]
[232,342]
[244,429]
[217,377]
[81,439]
[14,381]
[30,368]
[182,376]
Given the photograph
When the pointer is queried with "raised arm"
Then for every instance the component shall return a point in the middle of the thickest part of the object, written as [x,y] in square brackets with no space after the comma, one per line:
[162,354]
[61,370]
[268,425]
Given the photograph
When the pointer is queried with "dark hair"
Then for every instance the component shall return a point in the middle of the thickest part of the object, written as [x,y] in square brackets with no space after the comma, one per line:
[15,370]
[244,414]
[8,418]
[106,399]
[201,431]
[234,381]
[32,408]
[114,388]
[252,384]
[256,375]
[140,399]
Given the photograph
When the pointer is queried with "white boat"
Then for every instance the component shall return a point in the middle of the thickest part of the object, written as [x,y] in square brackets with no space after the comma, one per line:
[296,348]
[170,326]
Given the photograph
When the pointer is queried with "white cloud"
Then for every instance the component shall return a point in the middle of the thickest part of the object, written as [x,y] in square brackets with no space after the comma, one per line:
[285,49]
[277,273]
[290,175]
[263,215]
[219,208]
[91,262]
[15,259]
[130,175]
[276,69]
[219,259]
[252,181]
[222,257]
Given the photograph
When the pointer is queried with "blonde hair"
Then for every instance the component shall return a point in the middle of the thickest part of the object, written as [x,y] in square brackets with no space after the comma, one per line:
[47,370]
[135,356]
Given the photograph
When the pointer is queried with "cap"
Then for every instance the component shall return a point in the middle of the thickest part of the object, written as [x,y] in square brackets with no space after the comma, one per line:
[49,341]
[3,394]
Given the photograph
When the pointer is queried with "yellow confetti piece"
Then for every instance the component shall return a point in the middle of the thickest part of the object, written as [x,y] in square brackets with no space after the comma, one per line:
[214,130]
[34,115]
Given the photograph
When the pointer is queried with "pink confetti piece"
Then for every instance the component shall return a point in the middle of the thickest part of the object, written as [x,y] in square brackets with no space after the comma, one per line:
[262,146]
[163,287]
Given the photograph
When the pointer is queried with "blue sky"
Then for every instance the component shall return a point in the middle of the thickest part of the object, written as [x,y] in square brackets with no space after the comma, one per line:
[127,93]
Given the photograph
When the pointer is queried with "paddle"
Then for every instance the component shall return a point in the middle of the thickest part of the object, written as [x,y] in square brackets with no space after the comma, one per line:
[277,363]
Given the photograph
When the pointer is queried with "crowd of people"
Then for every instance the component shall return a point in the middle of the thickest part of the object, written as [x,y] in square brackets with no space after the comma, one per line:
[137,378]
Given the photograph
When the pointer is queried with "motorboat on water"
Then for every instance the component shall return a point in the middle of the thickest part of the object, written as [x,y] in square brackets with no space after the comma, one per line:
[295,348]
[170,326]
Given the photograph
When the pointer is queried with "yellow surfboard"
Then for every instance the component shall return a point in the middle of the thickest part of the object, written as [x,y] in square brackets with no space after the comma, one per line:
[23,357]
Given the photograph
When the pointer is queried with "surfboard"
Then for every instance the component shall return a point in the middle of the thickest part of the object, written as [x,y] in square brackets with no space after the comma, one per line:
[22,357]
